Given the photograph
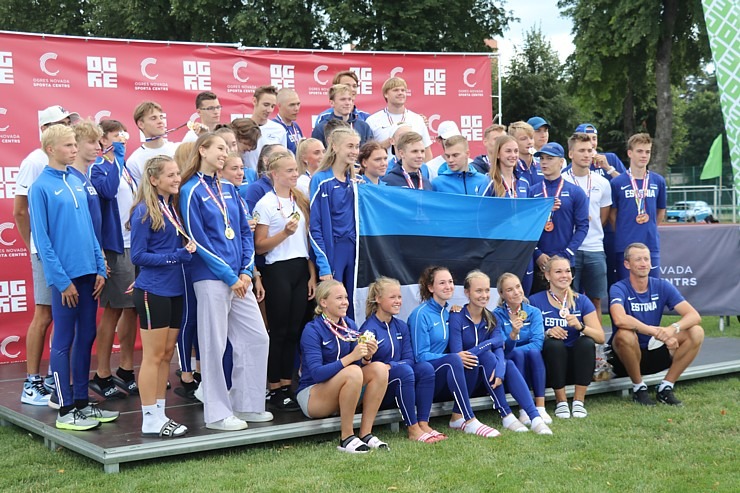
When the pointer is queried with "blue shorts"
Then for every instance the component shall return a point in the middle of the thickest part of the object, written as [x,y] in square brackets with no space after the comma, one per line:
[590,275]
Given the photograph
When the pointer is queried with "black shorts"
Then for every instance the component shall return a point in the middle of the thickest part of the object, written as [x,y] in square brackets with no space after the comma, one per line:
[157,312]
[654,361]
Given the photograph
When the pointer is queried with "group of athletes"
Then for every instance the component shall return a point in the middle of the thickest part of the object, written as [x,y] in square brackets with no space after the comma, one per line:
[248,225]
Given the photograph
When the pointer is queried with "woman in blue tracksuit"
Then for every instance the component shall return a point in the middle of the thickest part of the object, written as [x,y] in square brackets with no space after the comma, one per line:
[160,247]
[410,384]
[524,333]
[332,225]
[75,270]
[429,336]
[222,278]
[476,330]
[335,366]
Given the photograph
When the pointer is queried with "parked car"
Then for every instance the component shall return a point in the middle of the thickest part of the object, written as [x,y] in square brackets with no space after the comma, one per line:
[689,211]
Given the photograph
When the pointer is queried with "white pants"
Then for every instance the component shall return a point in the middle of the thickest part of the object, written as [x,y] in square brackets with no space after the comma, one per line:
[222,314]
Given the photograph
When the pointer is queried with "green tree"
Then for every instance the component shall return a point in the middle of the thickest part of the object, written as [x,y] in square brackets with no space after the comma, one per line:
[533,84]
[423,25]
[629,55]
[45,16]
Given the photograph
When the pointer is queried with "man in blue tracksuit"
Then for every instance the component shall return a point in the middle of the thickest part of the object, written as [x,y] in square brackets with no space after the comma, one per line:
[75,270]
[456,175]
[343,103]
[567,224]
[410,150]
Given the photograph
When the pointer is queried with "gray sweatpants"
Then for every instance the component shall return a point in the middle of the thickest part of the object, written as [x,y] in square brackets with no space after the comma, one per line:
[222,314]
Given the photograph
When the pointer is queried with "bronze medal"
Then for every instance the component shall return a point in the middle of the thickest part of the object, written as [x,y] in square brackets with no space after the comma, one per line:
[549,226]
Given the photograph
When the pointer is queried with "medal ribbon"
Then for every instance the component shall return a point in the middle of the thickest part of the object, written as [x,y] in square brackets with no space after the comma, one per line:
[390,120]
[336,329]
[292,129]
[149,139]
[511,192]
[408,178]
[174,219]
[220,204]
[126,174]
[588,183]
[640,195]
[280,206]
[557,194]
[563,304]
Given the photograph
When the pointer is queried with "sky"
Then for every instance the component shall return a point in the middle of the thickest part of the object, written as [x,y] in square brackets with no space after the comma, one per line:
[543,13]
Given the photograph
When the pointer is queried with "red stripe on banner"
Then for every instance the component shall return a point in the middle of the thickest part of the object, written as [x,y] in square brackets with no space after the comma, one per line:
[104,79]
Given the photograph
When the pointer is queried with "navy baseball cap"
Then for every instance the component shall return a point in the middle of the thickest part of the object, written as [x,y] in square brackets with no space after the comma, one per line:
[586,128]
[551,149]
[537,122]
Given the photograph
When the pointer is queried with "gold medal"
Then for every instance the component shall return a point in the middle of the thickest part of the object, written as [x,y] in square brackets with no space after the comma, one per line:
[366,337]
[522,315]
[549,226]
[256,216]
[229,233]
[296,215]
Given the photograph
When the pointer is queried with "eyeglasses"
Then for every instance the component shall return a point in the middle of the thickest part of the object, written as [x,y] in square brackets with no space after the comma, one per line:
[212,108]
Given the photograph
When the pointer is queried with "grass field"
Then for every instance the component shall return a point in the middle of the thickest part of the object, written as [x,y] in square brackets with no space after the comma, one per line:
[619,447]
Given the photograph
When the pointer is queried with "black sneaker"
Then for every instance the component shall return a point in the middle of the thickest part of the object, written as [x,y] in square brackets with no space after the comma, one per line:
[282,401]
[642,397]
[666,396]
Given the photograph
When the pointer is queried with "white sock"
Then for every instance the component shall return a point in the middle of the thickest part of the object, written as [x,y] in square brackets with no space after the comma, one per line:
[638,386]
[508,420]
[151,421]
[457,424]
[664,385]
[542,411]
[160,408]
[537,422]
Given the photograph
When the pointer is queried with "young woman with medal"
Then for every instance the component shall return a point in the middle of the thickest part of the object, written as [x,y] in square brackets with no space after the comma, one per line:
[430,334]
[289,276]
[477,331]
[572,329]
[410,384]
[373,161]
[524,335]
[332,221]
[222,277]
[336,364]
[159,247]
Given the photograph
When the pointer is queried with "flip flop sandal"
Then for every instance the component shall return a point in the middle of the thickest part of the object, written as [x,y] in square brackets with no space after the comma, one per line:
[374,442]
[108,393]
[171,429]
[426,438]
[129,386]
[353,445]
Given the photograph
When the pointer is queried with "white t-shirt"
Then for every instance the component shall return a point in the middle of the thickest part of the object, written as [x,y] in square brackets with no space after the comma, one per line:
[190,136]
[137,159]
[384,125]
[272,133]
[599,196]
[304,184]
[135,165]
[30,169]
[295,245]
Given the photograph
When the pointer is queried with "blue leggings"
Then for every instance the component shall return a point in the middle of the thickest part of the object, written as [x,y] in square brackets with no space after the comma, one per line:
[528,277]
[343,265]
[74,331]
[187,339]
[513,383]
[532,367]
[450,378]
[412,389]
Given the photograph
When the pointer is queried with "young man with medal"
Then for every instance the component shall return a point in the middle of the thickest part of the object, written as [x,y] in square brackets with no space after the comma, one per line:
[222,271]
[384,122]
[349,78]
[289,104]
[457,175]
[590,265]
[639,204]
[410,149]
[567,224]
[641,345]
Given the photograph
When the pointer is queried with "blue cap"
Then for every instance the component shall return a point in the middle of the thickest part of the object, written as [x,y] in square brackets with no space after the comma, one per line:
[551,149]
[586,128]
[537,122]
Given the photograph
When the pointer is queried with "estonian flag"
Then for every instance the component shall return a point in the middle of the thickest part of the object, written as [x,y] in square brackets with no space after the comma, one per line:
[402,231]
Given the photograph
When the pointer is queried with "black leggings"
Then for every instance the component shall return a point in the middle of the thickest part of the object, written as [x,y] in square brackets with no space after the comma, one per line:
[286,297]
[569,365]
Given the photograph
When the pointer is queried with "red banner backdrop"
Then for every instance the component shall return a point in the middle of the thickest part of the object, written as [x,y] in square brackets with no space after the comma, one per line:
[107,78]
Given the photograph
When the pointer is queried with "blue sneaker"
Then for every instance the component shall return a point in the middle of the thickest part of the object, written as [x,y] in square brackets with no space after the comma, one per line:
[35,393]
[50,384]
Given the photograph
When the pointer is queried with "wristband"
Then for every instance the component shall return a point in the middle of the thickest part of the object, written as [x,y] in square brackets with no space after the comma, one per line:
[583,327]
[676,326]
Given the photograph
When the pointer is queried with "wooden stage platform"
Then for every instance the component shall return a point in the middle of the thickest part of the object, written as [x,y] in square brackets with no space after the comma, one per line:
[119,442]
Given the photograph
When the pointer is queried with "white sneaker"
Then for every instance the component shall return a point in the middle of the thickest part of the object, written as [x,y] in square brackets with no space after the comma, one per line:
[540,428]
[198,394]
[524,417]
[579,410]
[232,423]
[545,417]
[262,417]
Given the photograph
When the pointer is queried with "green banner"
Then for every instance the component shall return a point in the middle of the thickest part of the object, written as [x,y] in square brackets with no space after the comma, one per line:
[723,26]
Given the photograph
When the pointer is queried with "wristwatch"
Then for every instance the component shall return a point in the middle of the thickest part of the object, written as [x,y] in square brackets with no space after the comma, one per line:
[583,327]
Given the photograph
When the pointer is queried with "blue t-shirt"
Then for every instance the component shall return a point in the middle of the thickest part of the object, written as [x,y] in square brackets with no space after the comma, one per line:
[623,199]
[551,314]
[646,307]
